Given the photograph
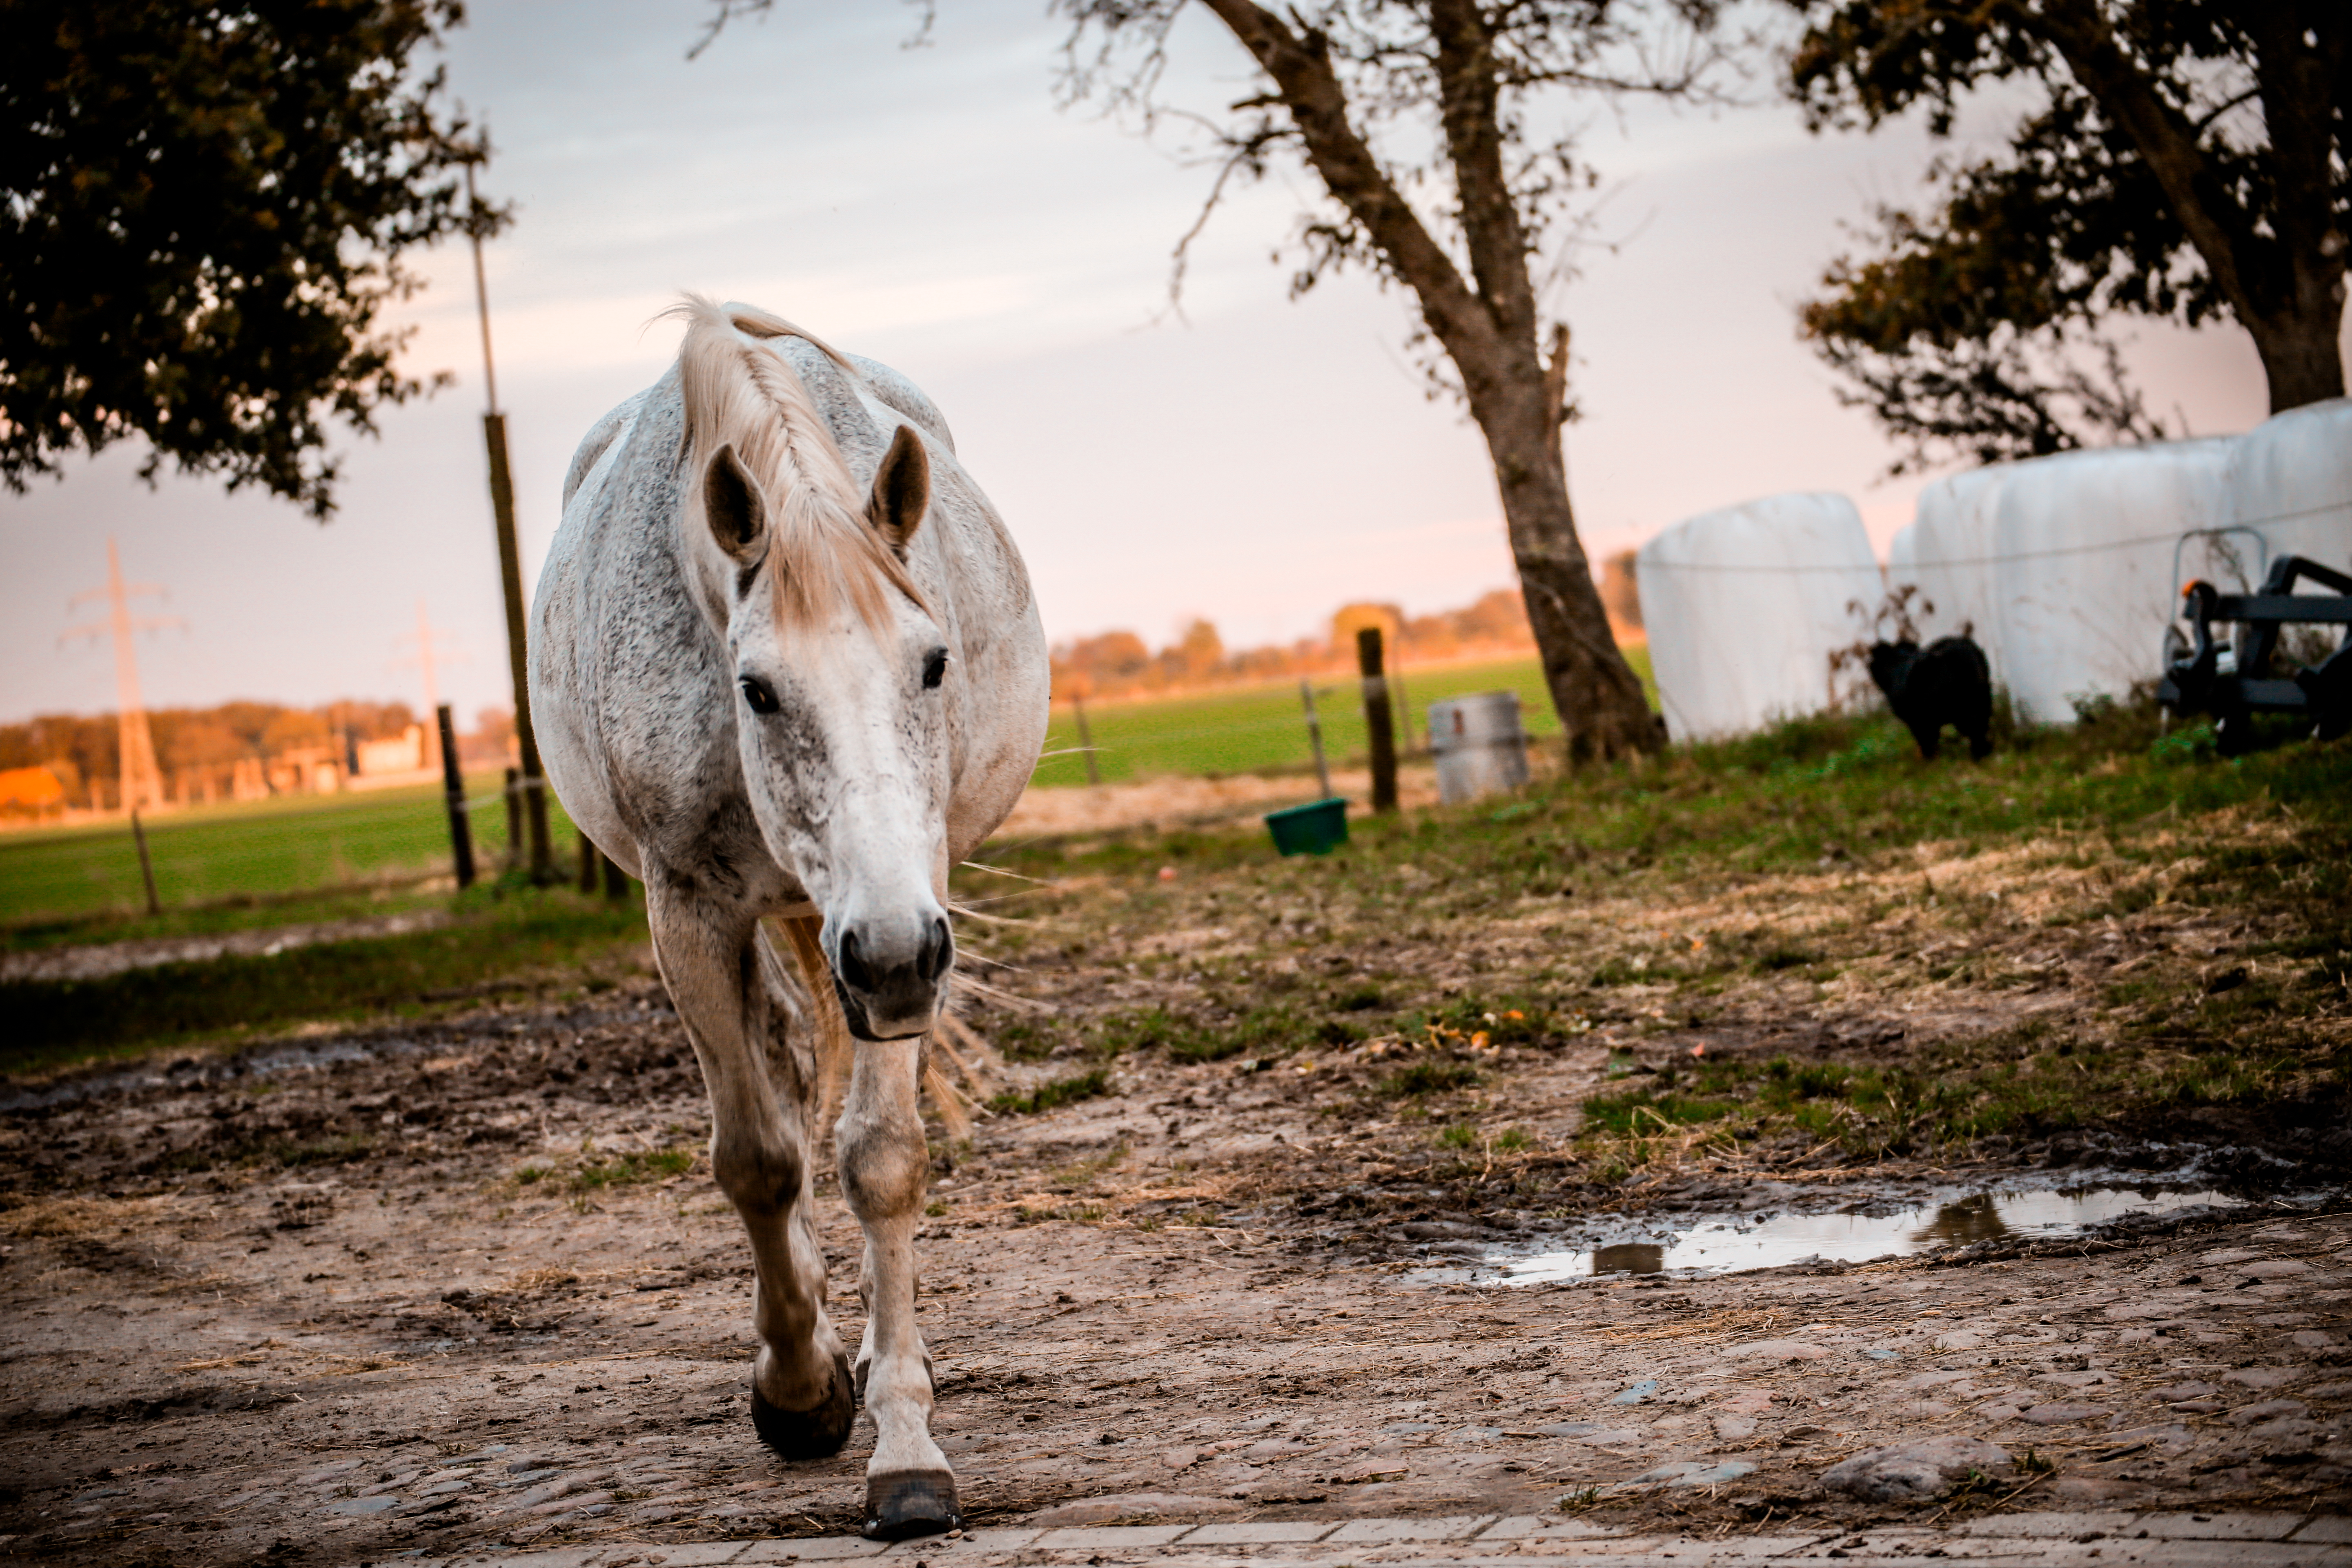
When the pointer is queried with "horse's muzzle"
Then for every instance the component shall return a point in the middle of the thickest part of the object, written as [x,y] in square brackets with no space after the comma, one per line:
[887,974]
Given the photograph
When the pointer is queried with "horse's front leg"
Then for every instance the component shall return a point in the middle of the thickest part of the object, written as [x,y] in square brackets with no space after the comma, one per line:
[884,1167]
[802,1398]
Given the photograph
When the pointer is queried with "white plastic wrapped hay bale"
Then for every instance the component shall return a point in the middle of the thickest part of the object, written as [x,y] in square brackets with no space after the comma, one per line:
[2290,481]
[2083,546]
[1945,552]
[1744,607]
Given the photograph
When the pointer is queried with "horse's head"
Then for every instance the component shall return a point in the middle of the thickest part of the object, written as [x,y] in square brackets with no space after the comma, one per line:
[841,675]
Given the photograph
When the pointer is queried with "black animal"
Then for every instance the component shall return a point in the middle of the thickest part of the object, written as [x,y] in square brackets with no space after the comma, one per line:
[1948,682]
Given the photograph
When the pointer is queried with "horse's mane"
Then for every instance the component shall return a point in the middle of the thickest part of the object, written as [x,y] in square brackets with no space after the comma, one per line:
[823,553]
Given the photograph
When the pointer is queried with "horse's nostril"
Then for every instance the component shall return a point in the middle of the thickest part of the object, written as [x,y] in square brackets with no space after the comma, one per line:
[939,949]
[853,972]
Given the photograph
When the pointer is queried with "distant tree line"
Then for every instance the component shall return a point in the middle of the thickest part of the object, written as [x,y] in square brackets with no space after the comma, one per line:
[1121,664]
[198,749]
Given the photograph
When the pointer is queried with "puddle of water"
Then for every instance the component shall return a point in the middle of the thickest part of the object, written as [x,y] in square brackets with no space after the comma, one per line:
[1720,1247]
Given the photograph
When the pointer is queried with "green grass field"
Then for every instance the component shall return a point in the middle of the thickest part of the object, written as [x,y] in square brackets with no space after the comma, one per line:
[1263,729]
[224,866]
[254,850]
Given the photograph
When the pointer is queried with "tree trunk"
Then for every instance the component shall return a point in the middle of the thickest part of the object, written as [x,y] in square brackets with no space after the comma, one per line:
[1489,333]
[2301,355]
[1602,710]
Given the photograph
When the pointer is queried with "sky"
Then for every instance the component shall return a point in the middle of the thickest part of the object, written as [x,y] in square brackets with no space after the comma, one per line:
[1257,461]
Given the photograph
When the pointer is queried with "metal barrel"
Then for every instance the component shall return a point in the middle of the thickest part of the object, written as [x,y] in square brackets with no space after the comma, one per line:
[1479,745]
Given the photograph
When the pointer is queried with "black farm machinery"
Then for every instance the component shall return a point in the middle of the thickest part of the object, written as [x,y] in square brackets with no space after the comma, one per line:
[2263,652]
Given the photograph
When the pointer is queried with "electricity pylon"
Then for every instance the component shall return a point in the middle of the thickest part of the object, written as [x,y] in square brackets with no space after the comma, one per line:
[142,781]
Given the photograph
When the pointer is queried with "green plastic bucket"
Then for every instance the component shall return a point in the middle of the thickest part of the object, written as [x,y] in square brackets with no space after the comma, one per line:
[1317,828]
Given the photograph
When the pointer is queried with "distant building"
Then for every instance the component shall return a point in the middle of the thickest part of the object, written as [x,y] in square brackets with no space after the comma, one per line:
[403,753]
[34,790]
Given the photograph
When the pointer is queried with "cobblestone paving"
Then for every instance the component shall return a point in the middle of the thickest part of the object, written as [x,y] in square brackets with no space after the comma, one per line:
[1529,1540]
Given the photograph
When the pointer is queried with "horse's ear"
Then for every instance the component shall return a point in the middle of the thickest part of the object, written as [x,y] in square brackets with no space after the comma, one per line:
[736,511]
[902,491]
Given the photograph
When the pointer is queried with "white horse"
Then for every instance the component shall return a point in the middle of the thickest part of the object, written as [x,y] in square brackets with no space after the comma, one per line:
[784,662]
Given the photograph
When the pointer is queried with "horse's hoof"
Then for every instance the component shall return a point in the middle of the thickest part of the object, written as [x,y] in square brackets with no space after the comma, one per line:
[908,1503]
[808,1434]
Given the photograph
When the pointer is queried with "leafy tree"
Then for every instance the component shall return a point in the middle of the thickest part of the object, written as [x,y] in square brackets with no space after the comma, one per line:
[1414,117]
[206,210]
[1198,654]
[2185,159]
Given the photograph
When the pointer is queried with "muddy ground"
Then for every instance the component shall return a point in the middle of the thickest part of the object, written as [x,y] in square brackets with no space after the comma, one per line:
[368,1291]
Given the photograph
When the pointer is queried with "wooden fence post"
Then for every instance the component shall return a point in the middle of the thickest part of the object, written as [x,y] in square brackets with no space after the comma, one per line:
[1378,720]
[146,866]
[514,817]
[617,881]
[588,858]
[1085,738]
[453,789]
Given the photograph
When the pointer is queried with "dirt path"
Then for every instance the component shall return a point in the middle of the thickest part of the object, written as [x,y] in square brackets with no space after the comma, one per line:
[469,1285]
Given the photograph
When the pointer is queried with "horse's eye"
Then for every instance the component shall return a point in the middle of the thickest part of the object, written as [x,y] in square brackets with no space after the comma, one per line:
[935,668]
[758,693]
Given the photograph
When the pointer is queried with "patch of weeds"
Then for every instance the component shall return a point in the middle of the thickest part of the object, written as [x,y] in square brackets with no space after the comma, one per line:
[1512,1138]
[1643,1110]
[2035,1463]
[1631,971]
[1869,754]
[1362,999]
[1023,1039]
[1274,1028]
[1048,1095]
[1117,1034]
[1072,1214]
[632,1168]
[530,1173]
[1428,1078]
[935,1208]
[1581,1501]
[1512,1022]
[285,1153]
[1461,1135]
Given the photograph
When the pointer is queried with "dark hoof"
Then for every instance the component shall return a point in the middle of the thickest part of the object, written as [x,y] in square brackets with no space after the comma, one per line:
[808,1434]
[910,1503]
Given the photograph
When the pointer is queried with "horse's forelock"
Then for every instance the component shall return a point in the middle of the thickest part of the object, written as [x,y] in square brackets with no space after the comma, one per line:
[823,554]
